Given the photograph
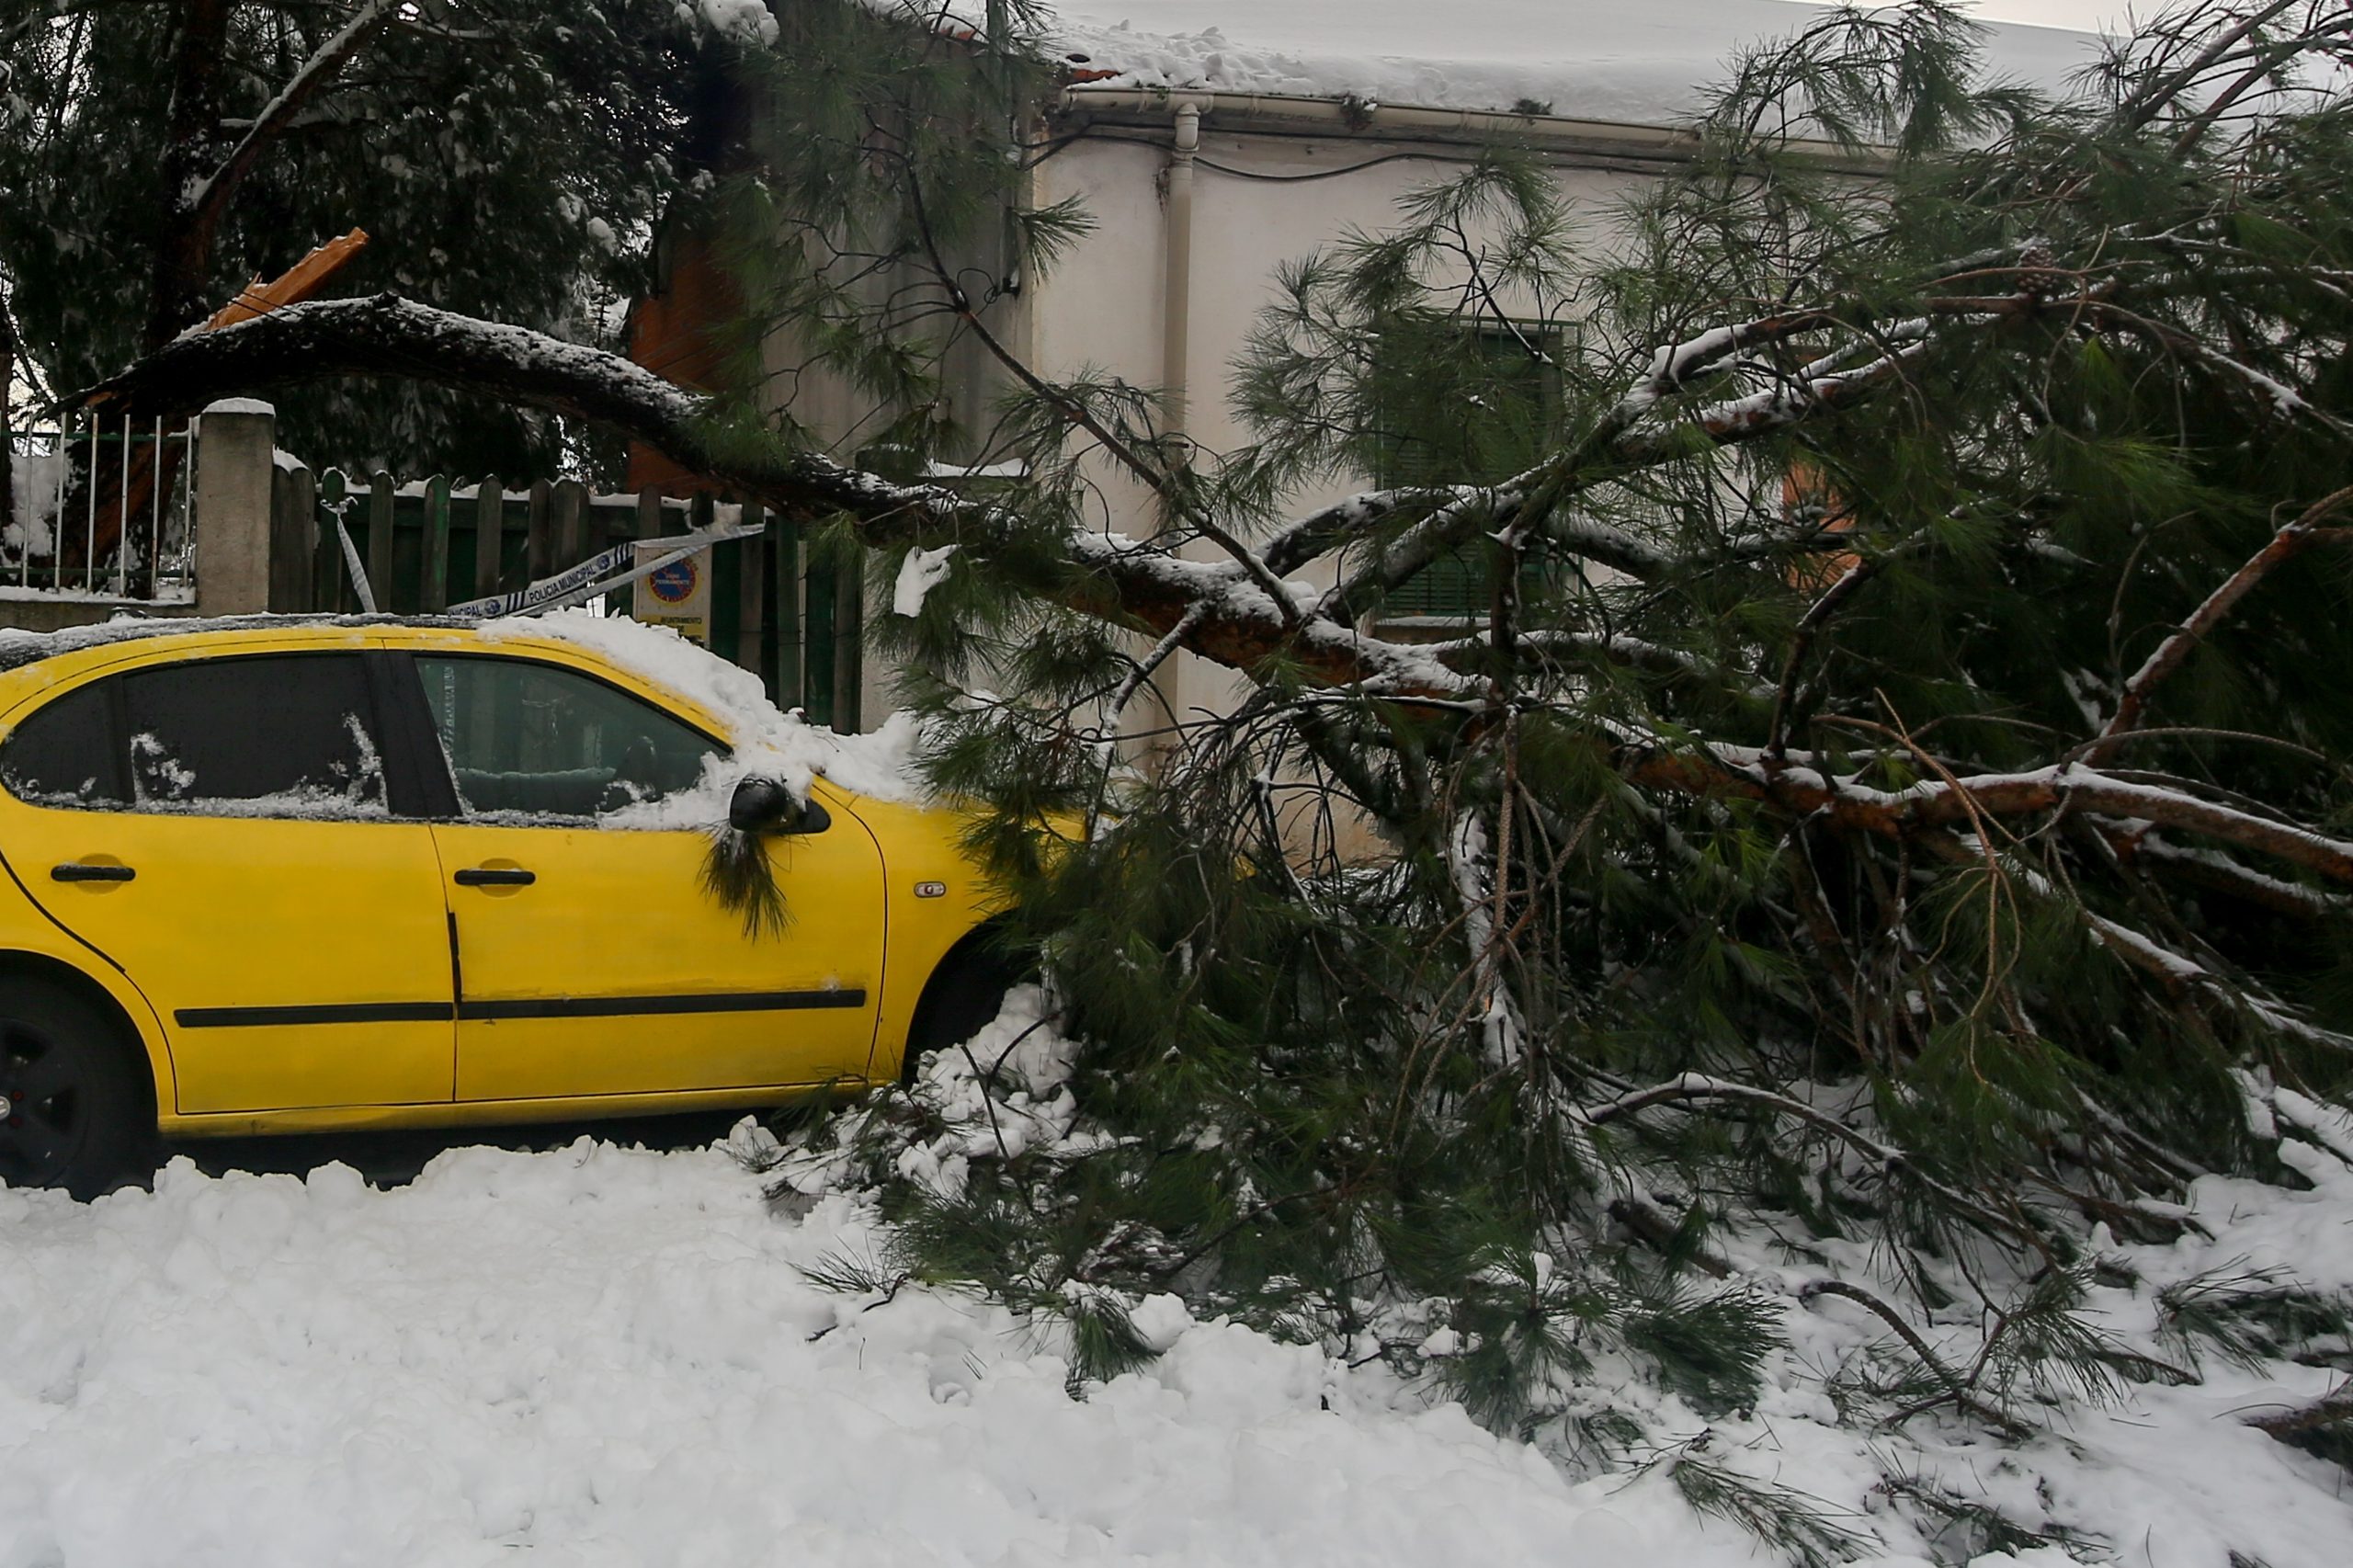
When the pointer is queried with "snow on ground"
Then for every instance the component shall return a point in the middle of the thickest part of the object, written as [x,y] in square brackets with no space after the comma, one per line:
[605,1355]
[608,1356]
[2155,1475]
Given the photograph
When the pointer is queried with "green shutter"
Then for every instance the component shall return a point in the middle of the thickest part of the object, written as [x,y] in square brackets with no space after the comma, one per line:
[1425,439]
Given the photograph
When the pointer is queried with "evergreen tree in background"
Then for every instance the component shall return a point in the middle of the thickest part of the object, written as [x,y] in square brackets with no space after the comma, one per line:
[1883,837]
[509,158]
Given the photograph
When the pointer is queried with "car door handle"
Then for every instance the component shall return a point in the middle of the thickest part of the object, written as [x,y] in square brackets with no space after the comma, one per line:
[493,877]
[76,871]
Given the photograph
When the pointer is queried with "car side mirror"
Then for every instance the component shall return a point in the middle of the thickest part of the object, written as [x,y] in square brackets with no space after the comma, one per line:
[761,804]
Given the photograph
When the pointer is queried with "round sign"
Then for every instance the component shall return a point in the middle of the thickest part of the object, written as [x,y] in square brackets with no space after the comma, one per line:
[675,584]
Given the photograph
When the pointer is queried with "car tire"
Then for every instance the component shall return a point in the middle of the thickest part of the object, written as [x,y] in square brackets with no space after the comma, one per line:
[965,993]
[81,1111]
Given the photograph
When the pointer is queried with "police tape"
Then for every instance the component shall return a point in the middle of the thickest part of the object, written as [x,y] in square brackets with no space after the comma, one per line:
[600,574]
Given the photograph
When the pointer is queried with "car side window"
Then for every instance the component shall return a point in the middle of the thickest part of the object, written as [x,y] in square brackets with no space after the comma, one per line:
[65,754]
[274,735]
[537,742]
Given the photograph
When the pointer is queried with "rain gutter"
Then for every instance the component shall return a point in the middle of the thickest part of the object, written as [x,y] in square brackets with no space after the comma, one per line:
[1297,114]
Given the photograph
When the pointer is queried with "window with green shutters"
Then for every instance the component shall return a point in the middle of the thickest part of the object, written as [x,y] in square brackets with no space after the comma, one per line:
[1462,406]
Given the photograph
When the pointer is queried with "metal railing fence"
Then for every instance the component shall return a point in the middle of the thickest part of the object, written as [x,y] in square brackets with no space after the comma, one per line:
[101,506]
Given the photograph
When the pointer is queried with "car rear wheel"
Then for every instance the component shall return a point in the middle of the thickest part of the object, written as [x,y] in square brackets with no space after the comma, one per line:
[966,991]
[76,1111]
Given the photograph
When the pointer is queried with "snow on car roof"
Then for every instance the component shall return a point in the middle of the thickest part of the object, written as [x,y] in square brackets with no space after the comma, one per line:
[1646,64]
[19,648]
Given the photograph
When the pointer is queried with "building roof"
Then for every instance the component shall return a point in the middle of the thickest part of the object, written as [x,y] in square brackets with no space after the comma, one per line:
[1645,61]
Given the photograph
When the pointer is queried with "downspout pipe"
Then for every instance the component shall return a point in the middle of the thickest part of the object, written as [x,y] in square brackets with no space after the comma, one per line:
[1177,289]
[1176,343]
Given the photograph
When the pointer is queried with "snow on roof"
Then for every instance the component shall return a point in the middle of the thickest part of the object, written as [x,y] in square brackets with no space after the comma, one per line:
[1609,59]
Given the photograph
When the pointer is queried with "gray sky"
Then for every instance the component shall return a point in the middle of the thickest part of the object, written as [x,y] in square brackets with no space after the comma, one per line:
[2086,15]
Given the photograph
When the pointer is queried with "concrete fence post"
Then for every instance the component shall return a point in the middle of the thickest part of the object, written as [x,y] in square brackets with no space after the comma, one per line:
[235,440]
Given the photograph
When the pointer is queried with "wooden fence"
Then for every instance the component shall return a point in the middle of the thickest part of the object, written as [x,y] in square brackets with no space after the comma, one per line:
[777,609]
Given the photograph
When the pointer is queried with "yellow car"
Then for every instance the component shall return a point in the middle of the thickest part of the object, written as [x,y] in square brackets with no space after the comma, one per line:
[277,876]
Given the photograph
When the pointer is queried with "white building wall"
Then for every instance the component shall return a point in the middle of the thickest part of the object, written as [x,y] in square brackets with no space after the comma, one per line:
[1103,304]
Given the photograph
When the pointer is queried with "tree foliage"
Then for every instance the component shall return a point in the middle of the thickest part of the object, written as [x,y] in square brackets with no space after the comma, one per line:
[1894,792]
[156,156]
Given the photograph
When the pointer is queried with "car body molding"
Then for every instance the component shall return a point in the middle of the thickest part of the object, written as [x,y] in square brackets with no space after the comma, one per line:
[632,1006]
[476,1009]
[323,1013]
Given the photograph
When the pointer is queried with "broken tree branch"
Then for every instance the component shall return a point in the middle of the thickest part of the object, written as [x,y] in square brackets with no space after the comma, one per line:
[2290,541]
[1106,575]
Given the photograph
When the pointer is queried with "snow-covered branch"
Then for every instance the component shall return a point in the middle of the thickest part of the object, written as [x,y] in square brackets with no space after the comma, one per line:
[2217,872]
[204,201]
[1614,648]
[1327,527]
[1478,891]
[1796,784]
[1693,1087]
[1612,445]
[1774,409]
[1236,624]
[1631,434]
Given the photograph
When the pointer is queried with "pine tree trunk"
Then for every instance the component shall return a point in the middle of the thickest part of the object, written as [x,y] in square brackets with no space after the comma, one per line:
[183,240]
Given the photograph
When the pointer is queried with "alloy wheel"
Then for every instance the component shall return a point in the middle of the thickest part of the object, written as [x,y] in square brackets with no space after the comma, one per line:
[44,1122]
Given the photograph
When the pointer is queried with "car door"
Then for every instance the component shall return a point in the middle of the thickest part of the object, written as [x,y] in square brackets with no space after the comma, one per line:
[591,961]
[220,827]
